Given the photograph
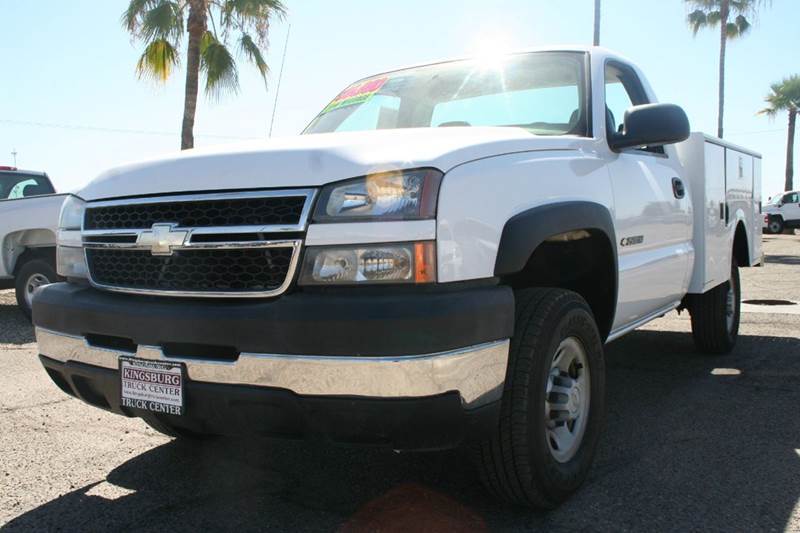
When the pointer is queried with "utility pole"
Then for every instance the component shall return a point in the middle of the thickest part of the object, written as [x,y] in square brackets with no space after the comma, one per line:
[280,77]
[14,155]
[597,22]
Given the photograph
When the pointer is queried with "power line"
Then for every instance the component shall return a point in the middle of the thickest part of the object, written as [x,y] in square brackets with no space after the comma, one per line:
[113,130]
[280,77]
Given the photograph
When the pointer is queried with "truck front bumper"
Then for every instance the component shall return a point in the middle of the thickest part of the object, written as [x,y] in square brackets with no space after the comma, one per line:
[409,370]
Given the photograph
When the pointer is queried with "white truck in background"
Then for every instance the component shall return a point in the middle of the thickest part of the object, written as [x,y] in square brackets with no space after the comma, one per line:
[782,212]
[439,259]
[29,209]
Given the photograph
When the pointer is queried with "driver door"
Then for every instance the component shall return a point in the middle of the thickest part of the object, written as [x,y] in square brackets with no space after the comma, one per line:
[652,215]
[791,208]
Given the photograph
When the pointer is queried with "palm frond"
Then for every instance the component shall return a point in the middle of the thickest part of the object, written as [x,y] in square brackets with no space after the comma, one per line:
[697,20]
[164,21]
[252,52]
[219,67]
[251,16]
[783,96]
[738,27]
[157,60]
[133,14]
[713,18]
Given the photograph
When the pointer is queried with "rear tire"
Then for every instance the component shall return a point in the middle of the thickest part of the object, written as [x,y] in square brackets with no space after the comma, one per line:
[30,276]
[715,316]
[775,225]
[531,460]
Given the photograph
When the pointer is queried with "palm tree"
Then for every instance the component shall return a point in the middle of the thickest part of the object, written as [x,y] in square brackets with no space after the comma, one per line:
[731,16]
[597,22]
[160,24]
[785,96]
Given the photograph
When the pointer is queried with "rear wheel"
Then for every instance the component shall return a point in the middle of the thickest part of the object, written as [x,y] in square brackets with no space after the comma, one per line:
[553,406]
[31,275]
[775,225]
[715,316]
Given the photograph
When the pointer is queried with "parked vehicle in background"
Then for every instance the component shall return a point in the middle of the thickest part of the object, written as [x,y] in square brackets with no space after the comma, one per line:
[439,259]
[29,208]
[782,212]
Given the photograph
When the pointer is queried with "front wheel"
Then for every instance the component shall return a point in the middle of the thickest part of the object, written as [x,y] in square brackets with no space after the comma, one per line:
[715,316]
[553,406]
[30,276]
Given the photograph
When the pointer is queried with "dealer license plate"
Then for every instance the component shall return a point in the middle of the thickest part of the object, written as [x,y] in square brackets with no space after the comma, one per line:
[151,385]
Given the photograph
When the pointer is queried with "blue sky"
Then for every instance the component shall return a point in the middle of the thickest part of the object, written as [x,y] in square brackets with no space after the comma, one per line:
[71,64]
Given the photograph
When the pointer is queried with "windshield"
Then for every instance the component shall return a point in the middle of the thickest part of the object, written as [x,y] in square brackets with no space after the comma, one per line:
[543,92]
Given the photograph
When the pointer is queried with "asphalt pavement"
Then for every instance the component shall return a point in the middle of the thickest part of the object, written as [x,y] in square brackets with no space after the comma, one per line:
[693,443]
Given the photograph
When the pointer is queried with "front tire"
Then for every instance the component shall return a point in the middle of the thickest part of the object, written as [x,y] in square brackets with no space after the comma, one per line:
[716,314]
[30,276]
[553,407]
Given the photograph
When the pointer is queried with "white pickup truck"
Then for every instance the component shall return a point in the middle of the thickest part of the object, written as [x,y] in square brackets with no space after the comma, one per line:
[29,210]
[439,259]
[782,212]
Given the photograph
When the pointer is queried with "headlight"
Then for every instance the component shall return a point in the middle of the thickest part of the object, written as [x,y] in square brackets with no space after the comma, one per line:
[72,211]
[385,263]
[70,260]
[401,195]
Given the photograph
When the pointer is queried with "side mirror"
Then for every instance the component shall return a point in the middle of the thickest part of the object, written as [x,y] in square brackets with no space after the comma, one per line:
[651,125]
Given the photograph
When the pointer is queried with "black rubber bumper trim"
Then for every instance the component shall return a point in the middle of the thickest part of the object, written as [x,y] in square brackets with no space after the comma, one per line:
[348,323]
[435,422]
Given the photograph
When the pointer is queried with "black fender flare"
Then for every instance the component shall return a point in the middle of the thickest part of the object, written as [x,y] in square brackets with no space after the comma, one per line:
[525,231]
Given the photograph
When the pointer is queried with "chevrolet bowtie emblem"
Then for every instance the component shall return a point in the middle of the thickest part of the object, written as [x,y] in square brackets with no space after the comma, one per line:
[161,238]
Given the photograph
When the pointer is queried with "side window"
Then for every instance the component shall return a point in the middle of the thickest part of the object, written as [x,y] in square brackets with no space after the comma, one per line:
[617,102]
[623,91]
[791,198]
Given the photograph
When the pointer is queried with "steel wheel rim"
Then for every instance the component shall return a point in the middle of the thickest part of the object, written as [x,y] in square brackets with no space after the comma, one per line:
[774,227]
[567,399]
[34,282]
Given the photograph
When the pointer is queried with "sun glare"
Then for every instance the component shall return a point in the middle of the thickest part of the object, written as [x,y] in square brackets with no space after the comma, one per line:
[491,50]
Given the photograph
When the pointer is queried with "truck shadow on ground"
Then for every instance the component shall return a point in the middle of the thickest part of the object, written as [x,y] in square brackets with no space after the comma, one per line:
[692,442]
[15,328]
[783,259]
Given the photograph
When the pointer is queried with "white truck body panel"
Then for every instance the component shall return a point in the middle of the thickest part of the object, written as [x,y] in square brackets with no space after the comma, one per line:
[756,251]
[27,223]
[722,178]
[313,160]
[664,247]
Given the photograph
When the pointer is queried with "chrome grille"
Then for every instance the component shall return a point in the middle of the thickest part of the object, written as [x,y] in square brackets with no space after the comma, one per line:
[147,246]
[264,211]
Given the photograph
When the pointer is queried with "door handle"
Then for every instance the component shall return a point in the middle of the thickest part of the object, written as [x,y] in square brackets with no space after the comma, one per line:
[677,188]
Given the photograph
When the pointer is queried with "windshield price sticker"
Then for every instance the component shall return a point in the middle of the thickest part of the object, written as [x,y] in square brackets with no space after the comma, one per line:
[151,385]
[356,94]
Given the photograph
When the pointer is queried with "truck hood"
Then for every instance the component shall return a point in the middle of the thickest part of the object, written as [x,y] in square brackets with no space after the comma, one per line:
[313,160]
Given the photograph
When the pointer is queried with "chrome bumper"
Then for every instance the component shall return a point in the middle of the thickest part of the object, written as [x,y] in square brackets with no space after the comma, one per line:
[477,373]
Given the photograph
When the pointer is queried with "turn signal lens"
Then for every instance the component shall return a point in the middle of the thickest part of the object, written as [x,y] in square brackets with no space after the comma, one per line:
[387,263]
